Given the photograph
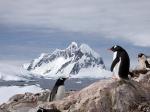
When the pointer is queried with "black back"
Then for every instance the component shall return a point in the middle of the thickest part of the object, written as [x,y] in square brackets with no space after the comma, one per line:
[125,61]
[58,83]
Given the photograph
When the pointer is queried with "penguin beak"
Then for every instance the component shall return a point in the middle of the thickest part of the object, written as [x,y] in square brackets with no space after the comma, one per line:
[109,49]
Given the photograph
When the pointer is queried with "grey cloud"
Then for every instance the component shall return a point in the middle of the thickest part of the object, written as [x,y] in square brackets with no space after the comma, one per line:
[126,19]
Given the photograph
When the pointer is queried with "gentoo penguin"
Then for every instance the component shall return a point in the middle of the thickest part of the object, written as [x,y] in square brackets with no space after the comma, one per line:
[121,62]
[143,62]
[58,91]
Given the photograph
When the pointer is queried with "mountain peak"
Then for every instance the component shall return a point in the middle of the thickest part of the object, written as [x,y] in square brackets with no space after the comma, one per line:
[73,45]
[87,49]
[69,61]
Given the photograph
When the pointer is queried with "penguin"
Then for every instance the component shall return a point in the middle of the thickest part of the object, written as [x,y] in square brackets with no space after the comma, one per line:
[121,63]
[143,61]
[58,91]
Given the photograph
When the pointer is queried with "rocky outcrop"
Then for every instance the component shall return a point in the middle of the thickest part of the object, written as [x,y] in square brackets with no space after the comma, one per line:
[106,95]
[27,102]
[24,102]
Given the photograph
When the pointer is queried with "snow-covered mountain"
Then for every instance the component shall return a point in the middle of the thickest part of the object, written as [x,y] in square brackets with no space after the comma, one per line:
[71,61]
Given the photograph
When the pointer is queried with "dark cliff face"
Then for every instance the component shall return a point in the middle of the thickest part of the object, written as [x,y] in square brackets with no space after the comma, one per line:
[80,57]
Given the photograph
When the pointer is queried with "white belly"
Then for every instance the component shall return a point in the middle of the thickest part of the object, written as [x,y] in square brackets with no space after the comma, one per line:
[60,93]
[115,55]
[142,64]
[116,70]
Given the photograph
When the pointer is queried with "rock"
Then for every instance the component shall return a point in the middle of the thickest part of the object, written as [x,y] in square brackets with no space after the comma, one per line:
[106,95]
[43,96]
[16,97]
[136,73]
[144,80]
[27,102]
[24,102]
[20,103]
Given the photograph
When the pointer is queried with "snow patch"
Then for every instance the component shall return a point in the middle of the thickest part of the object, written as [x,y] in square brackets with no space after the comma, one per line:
[79,82]
[93,72]
[50,68]
[7,92]
[86,49]
[13,71]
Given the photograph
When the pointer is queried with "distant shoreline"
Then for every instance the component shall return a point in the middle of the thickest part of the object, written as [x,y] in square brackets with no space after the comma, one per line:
[71,84]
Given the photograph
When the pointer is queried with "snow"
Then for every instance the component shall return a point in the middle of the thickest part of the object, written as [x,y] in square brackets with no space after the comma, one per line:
[73,46]
[12,70]
[7,92]
[36,61]
[26,65]
[93,72]
[86,49]
[63,63]
[8,77]
[66,71]
[79,82]
[53,67]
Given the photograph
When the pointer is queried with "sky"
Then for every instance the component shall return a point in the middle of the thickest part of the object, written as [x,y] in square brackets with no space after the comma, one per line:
[30,27]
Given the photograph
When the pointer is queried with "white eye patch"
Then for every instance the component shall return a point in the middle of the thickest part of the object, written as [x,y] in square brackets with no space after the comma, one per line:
[115,46]
[61,78]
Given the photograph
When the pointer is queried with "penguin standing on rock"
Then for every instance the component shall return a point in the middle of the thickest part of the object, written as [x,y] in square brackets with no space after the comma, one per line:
[58,91]
[121,63]
[143,61]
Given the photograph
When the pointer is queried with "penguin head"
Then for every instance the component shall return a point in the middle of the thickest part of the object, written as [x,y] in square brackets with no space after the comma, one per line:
[60,81]
[116,48]
[140,55]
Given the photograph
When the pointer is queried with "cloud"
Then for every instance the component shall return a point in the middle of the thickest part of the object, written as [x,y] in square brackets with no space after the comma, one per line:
[127,19]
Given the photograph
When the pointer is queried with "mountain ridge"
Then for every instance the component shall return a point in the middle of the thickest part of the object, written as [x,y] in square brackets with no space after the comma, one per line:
[67,61]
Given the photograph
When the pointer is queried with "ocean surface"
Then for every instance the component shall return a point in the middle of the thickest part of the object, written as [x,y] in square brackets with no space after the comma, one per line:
[70,84]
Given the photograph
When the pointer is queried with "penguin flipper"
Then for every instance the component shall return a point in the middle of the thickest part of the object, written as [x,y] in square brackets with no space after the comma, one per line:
[147,64]
[116,60]
[52,94]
